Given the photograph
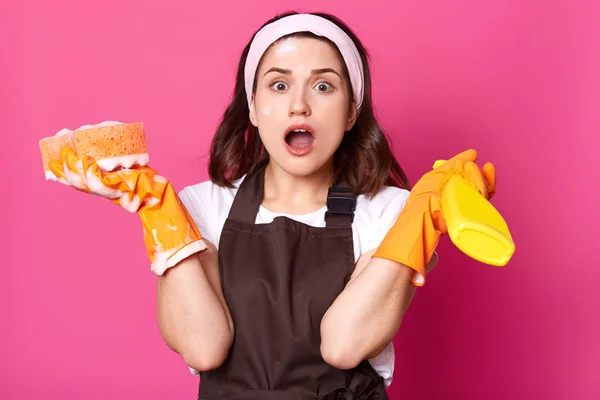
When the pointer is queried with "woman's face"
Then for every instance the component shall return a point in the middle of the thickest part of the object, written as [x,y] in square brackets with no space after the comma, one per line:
[302,105]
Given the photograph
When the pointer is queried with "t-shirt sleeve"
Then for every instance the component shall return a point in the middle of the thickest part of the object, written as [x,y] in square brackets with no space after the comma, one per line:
[198,211]
[385,211]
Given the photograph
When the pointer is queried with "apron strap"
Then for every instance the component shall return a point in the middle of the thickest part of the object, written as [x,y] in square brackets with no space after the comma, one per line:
[341,205]
[248,198]
[341,202]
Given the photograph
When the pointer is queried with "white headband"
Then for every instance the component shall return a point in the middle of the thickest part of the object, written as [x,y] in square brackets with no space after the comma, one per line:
[306,23]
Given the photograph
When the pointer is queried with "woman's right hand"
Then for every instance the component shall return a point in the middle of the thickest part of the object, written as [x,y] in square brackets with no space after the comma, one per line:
[170,234]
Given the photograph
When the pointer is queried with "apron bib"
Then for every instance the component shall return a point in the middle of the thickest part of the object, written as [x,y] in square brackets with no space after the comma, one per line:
[279,279]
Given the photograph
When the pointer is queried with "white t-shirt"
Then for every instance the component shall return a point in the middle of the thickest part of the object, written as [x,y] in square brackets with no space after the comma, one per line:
[209,206]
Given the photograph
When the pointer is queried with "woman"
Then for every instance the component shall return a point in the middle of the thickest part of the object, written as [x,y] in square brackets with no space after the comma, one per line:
[305,248]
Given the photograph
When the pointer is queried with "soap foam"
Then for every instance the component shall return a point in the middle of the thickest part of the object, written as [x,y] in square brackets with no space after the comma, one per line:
[98,187]
[166,259]
[65,131]
[132,205]
[112,163]
[128,161]
[74,178]
[50,175]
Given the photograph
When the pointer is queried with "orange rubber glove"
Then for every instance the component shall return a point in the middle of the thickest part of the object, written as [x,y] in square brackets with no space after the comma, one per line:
[415,234]
[170,234]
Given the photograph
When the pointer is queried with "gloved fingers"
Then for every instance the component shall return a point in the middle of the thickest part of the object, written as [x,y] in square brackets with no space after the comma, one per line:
[459,159]
[474,175]
[467,155]
[489,173]
[73,168]
[439,222]
[56,166]
[131,188]
[70,159]
[90,165]
[145,169]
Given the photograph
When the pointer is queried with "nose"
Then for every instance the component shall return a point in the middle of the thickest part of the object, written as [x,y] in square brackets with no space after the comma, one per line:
[299,104]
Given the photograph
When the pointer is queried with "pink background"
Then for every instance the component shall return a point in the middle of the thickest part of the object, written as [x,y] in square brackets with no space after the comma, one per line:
[516,80]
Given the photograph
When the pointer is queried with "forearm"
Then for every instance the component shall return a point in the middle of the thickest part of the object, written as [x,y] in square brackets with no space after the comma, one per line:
[366,316]
[193,317]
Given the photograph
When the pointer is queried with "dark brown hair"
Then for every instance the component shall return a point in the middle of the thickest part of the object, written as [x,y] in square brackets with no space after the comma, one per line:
[364,158]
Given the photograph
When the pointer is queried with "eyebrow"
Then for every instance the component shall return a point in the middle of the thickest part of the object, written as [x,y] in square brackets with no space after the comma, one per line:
[318,71]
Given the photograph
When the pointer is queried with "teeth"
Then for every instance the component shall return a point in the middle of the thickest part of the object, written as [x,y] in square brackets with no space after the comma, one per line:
[299,130]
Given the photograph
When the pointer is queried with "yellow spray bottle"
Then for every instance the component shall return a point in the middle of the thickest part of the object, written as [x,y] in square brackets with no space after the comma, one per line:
[474,225]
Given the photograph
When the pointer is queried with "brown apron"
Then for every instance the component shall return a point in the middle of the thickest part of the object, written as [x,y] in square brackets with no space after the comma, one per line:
[279,279]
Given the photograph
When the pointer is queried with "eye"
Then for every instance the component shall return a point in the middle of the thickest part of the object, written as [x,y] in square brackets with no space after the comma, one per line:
[323,87]
[279,86]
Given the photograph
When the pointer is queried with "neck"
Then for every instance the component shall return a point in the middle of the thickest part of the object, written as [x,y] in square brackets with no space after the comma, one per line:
[287,193]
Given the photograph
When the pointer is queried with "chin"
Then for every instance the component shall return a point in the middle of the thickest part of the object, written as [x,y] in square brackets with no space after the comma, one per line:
[299,166]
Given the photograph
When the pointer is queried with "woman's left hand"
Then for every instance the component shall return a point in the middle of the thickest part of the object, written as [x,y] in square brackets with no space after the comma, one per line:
[414,236]
[434,182]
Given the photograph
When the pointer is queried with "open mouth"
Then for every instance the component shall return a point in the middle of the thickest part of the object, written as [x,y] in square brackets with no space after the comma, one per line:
[299,139]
